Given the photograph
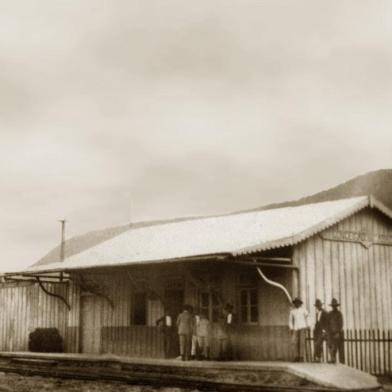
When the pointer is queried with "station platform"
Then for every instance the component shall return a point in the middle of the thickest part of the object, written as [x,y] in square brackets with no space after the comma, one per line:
[202,375]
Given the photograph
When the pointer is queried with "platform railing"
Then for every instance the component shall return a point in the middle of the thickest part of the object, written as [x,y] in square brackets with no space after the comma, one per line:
[369,350]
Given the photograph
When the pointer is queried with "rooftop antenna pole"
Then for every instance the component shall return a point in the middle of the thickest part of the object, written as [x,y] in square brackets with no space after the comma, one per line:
[62,221]
[62,245]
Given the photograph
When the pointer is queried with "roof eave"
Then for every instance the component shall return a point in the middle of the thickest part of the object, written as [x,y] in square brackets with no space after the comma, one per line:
[304,235]
[216,256]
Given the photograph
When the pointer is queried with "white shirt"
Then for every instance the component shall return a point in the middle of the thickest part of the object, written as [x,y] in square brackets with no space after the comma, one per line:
[168,321]
[298,318]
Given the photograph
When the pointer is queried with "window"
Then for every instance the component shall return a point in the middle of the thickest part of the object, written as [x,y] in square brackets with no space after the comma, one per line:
[209,305]
[249,310]
[139,314]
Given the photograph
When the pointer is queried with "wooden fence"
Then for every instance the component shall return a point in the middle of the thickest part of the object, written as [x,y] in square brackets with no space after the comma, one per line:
[367,350]
[261,343]
[258,343]
[136,340]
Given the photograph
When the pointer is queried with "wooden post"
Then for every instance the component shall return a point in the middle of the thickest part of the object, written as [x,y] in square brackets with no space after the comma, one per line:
[389,351]
[295,282]
[383,351]
[379,350]
[359,340]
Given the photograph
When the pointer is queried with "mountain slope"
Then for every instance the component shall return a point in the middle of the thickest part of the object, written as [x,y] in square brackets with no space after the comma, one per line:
[377,183]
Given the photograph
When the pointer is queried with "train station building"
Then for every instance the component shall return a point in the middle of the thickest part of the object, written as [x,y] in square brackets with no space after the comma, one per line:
[105,290]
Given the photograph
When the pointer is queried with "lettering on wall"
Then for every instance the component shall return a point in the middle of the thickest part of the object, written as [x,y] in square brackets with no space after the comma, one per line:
[365,239]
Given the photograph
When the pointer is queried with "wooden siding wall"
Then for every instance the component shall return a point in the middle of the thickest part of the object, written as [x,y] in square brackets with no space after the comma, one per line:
[359,277]
[72,339]
[25,307]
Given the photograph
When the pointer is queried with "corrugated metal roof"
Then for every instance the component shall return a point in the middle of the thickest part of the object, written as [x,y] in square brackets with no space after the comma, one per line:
[231,234]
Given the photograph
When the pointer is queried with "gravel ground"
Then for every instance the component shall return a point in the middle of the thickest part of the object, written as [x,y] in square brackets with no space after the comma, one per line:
[10,382]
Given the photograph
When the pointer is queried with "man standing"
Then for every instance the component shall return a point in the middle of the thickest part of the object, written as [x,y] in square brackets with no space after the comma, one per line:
[320,330]
[225,332]
[335,332]
[298,324]
[185,325]
[166,326]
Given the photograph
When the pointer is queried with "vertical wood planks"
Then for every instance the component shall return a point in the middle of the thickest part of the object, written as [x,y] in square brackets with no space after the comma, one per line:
[26,307]
[311,274]
[361,279]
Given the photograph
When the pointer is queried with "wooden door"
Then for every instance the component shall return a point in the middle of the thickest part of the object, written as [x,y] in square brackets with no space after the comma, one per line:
[90,324]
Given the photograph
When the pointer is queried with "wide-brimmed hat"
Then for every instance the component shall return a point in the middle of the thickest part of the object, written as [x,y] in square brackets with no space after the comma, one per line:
[334,302]
[296,300]
[228,307]
[318,302]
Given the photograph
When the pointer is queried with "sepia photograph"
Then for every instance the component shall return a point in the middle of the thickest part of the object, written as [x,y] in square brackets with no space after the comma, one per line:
[196,195]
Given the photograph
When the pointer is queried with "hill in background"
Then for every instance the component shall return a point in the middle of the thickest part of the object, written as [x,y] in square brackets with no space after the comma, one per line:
[377,183]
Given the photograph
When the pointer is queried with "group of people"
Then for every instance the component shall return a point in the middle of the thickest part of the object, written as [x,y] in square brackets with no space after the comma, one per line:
[193,329]
[190,335]
[328,327]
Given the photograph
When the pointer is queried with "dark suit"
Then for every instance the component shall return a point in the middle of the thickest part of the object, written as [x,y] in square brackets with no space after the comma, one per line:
[320,329]
[335,335]
[166,326]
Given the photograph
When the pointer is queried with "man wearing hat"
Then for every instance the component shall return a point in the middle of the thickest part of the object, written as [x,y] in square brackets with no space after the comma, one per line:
[298,324]
[335,332]
[320,330]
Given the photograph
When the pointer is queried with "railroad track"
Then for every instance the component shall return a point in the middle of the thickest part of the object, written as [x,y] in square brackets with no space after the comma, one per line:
[204,377]
[52,368]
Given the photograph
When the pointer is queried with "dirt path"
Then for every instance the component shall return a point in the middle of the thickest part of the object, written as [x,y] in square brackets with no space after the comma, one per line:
[10,382]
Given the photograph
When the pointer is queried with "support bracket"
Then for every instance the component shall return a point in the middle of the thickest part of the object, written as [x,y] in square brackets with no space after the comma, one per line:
[46,291]
[94,289]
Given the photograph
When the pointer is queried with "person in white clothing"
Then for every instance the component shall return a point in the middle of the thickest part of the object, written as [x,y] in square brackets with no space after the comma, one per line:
[195,346]
[203,332]
[298,324]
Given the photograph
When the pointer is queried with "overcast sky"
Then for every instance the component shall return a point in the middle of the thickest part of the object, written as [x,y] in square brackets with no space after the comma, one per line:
[113,111]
